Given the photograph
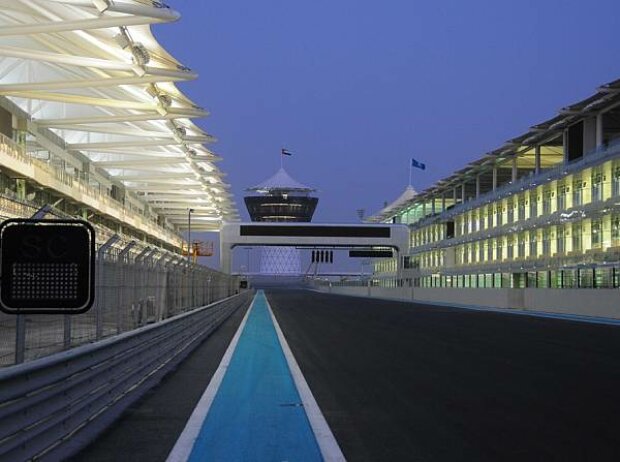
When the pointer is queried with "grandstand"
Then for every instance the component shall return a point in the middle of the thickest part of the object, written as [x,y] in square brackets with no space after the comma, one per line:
[92,126]
[540,212]
[92,123]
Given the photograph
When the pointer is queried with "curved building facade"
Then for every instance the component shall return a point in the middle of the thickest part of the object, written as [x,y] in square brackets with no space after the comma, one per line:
[281,198]
[281,207]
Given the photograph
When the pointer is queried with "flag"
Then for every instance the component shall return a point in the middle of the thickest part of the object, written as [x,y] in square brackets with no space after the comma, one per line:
[416,164]
[286,152]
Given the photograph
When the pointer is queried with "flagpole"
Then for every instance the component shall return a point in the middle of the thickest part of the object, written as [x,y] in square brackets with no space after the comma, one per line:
[283,152]
[410,168]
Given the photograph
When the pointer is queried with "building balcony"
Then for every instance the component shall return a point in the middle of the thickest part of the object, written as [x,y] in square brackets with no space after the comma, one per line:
[14,158]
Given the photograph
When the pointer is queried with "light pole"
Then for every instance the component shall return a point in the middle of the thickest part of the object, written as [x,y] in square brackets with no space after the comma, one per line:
[189,258]
[189,235]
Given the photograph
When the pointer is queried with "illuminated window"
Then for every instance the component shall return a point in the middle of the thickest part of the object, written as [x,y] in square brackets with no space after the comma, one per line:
[533,205]
[521,245]
[596,234]
[521,208]
[547,194]
[559,240]
[597,186]
[578,192]
[546,245]
[498,215]
[615,230]
[577,238]
[616,181]
[533,244]
[562,192]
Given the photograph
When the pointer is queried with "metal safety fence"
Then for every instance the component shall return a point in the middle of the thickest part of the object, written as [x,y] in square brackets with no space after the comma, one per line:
[52,407]
[133,288]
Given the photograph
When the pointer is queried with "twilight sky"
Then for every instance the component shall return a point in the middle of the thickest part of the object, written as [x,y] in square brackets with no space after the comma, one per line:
[356,88]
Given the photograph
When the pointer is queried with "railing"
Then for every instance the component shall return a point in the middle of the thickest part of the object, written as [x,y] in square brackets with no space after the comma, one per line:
[11,148]
[52,407]
[590,210]
[132,291]
[589,259]
[593,158]
[11,207]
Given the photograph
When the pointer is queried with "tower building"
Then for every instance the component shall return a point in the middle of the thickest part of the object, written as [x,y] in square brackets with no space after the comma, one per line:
[281,199]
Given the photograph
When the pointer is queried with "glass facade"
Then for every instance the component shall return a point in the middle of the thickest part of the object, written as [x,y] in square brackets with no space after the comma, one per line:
[542,211]
[561,233]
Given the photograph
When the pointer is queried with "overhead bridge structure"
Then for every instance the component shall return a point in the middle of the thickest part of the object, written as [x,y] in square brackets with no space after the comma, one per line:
[312,235]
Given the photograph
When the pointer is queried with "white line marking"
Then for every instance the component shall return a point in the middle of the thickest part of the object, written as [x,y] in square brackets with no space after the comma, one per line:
[184,445]
[324,437]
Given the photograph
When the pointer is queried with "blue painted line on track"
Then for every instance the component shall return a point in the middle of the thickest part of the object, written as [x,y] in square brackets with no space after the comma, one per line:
[257,413]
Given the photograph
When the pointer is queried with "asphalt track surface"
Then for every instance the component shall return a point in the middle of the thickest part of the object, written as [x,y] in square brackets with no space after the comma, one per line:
[148,430]
[401,381]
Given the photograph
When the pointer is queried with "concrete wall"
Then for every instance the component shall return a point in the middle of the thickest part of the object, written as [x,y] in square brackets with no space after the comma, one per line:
[588,302]
[585,302]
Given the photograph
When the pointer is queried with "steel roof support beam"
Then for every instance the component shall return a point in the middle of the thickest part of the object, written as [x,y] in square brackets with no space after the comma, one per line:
[80,99]
[60,58]
[147,187]
[200,210]
[113,130]
[87,83]
[149,176]
[191,190]
[172,113]
[135,144]
[140,163]
[185,198]
[85,24]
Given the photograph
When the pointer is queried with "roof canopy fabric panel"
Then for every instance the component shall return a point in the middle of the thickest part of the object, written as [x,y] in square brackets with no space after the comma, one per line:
[92,74]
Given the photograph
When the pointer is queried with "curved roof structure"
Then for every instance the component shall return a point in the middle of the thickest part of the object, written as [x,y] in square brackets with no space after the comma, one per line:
[281,182]
[387,211]
[90,75]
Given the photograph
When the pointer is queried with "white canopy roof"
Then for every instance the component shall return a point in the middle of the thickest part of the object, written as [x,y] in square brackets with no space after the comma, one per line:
[92,73]
[385,212]
[281,181]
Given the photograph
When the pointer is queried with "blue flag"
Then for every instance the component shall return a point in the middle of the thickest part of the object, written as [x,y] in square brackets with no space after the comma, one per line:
[416,164]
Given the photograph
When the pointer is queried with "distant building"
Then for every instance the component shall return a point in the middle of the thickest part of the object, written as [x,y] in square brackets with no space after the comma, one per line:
[281,199]
[542,211]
